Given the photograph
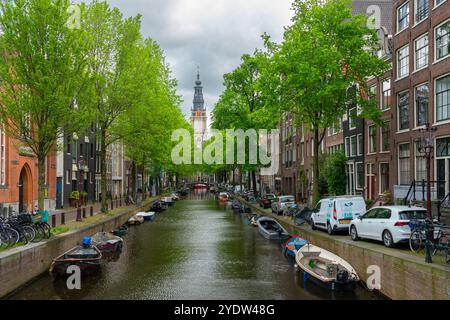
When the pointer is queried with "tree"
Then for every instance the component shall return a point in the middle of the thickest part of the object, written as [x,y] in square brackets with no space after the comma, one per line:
[325,51]
[116,70]
[333,173]
[43,76]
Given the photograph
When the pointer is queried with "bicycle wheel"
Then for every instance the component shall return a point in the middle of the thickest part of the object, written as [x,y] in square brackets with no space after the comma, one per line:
[39,233]
[28,234]
[47,229]
[13,236]
[415,241]
[4,240]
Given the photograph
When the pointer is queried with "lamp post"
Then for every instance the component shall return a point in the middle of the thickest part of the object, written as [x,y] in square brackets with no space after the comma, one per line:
[426,147]
[80,166]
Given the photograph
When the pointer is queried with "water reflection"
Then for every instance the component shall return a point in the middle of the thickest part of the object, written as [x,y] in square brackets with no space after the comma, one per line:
[194,250]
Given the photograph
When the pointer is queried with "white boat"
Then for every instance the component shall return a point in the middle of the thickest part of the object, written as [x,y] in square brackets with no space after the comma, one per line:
[136,220]
[326,268]
[168,200]
[148,216]
[270,229]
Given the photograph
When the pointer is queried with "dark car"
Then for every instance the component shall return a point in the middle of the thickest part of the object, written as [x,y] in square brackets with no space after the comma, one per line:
[266,201]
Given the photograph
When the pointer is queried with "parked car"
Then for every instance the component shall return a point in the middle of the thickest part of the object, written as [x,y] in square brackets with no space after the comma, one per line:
[282,203]
[335,213]
[266,201]
[389,224]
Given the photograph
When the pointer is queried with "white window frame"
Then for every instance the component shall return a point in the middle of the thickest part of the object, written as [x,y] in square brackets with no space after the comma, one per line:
[415,12]
[347,143]
[380,192]
[381,137]
[356,175]
[351,148]
[397,17]
[397,71]
[359,138]
[388,79]
[438,4]
[398,111]
[350,121]
[369,151]
[427,48]
[436,59]
[416,126]
[398,161]
[435,101]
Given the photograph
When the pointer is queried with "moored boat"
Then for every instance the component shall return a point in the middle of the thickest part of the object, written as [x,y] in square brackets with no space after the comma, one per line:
[200,186]
[148,216]
[107,242]
[270,229]
[168,200]
[326,269]
[158,206]
[134,220]
[292,245]
[123,230]
[87,257]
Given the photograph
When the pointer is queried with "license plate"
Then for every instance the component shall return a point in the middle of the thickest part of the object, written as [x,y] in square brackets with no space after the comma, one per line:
[345,221]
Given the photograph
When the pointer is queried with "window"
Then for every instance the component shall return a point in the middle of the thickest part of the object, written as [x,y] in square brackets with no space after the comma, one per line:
[359,175]
[421,165]
[386,94]
[443,147]
[443,98]
[353,146]
[347,146]
[383,213]
[360,144]
[81,150]
[385,128]
[403,111]
[92,150]
[402,17]
[403,164]
[69,145]
[402,62]
[421,52]
[443,40]
[372,92]
[421,10]
[422,105]
[372,139]
[384,177]
[438,2]
[352,113]
[2,157]
[68,177]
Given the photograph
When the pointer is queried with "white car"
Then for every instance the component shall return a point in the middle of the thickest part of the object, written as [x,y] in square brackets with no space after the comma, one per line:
[282,203]
[389,224]
[335,213]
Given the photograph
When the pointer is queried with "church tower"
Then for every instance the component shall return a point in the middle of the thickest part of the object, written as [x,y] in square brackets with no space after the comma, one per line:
[198,113]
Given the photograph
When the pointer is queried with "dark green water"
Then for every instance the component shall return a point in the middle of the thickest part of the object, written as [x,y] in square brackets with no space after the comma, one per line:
[194,250]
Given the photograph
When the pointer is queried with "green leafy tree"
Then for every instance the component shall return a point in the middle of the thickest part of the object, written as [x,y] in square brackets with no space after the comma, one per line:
[326,50]
[333,173]
[43,76]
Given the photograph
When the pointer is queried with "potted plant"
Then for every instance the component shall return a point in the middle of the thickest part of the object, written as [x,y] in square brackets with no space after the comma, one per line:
[74,197]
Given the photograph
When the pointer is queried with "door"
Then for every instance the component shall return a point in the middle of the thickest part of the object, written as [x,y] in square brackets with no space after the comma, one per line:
[351,178]
[380,222]
[59,192]
[370,181]
[321,213]
[21,195]
[365,229]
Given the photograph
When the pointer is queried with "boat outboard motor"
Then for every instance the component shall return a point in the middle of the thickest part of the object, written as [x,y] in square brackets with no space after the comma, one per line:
[342,276]
[87,242]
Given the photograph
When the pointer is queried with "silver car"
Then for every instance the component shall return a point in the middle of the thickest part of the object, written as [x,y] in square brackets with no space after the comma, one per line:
[282,203]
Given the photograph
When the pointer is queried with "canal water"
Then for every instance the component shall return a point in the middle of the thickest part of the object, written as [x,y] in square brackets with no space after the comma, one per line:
[194,250]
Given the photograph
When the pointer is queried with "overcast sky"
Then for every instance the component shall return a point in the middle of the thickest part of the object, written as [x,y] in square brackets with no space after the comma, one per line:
[212,34]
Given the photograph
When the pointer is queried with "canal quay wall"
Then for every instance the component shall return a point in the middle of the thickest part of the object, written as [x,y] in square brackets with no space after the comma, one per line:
[21,265]
[403,276]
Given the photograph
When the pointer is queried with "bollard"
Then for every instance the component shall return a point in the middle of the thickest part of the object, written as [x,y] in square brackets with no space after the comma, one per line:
[63,218]
[53,221]
[84,213]
[91,211]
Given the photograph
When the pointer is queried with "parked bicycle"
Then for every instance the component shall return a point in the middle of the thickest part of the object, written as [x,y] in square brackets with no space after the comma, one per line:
[418,237]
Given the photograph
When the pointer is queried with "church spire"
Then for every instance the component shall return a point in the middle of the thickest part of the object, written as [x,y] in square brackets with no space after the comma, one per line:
[199,103]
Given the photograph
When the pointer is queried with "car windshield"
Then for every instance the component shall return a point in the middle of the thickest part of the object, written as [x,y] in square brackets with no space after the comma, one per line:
[413,214]
[287,199]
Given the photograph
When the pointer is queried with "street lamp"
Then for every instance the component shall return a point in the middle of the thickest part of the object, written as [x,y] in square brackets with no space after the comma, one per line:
[426,147]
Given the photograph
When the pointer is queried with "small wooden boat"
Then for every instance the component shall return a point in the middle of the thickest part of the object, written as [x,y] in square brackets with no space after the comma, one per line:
[158,206]
[107,242]
[168,200]
[200,186]
[292,245]
[148,216]
[87,257]
[270,229]
[123,230]
[223,197]
[134,220]
[326,268]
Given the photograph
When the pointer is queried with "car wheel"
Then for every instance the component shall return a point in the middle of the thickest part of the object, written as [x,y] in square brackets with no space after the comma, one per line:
[387,239]
[329,229]
[354,233]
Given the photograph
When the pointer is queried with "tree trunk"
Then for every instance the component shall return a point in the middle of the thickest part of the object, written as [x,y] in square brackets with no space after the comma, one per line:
[234,178]
[133,180]
[41,179]
[255,188]
[316,180]
[103,169]
[249,178]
